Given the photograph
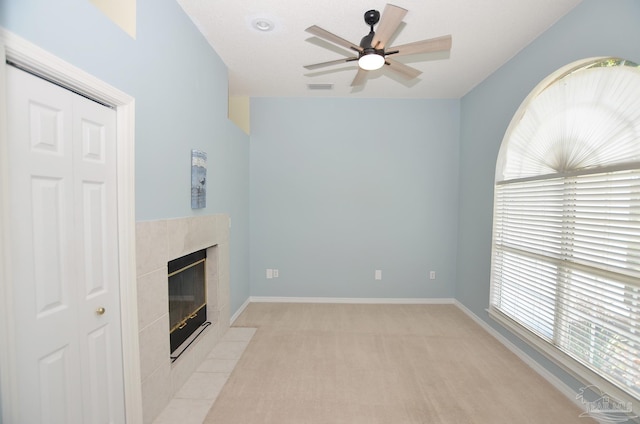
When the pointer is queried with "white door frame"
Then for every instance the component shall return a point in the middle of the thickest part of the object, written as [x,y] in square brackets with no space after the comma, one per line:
[30,57]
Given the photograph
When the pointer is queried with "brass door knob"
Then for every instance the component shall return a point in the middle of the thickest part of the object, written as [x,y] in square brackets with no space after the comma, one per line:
[100,311]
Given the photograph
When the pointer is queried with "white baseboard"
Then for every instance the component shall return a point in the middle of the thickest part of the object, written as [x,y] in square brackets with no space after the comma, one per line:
[240,310]
[398,301]
[353,300]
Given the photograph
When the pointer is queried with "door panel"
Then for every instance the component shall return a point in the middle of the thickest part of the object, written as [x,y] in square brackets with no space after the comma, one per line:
[47,128]
[93,195]
[51,288]
[64,244]
[55,400]
[95,177]
[99,399]
[93,141]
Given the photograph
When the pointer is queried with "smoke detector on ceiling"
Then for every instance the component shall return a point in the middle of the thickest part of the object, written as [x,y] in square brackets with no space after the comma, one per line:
[262,24]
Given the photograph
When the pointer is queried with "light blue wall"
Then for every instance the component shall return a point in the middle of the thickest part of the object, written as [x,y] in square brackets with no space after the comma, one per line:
[180,87]
[339,187]
[342,187]
[594,28]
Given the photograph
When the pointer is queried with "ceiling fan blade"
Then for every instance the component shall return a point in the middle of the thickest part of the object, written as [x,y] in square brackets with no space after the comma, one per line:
[402,69]
[331,62]
[389,22]
[439,44]
[323,33]
[360,78]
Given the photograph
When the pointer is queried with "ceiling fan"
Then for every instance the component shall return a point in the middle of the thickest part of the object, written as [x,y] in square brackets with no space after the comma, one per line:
[373,52]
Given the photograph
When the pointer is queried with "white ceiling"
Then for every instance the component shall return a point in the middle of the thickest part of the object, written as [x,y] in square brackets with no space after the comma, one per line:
[486,34]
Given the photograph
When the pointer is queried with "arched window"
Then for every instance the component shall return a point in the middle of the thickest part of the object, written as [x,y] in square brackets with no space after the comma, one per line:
[566,238]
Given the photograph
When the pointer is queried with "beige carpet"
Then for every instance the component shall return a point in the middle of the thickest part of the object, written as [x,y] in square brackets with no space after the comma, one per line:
[396,364]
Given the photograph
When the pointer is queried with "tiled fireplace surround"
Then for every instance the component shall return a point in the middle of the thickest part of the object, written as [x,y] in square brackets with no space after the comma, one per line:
[158,242]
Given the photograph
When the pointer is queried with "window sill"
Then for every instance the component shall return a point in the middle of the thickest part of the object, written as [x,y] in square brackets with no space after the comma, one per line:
[567,363]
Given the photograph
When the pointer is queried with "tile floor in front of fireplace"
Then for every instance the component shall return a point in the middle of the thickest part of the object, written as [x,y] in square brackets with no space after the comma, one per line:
[192,402]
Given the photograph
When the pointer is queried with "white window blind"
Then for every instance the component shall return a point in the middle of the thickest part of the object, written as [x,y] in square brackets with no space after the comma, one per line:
[566,238]
[566,265]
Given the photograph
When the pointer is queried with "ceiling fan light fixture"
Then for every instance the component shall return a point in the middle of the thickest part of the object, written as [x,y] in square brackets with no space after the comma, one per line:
[371,61]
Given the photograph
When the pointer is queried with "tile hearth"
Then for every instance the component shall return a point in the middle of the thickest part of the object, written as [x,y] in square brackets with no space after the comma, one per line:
[192,402]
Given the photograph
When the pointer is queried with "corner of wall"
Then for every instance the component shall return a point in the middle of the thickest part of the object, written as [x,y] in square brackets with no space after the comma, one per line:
[239,112]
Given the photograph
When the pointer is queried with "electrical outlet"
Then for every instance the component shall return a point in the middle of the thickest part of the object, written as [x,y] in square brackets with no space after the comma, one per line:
[432,275]
[276,274]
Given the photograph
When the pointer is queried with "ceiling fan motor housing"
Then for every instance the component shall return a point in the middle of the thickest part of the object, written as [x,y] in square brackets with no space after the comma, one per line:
[371,17]
[367,48]
[370,58]
[365,43]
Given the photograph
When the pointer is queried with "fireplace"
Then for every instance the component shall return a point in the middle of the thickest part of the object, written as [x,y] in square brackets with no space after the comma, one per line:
[157,243]
[187,296]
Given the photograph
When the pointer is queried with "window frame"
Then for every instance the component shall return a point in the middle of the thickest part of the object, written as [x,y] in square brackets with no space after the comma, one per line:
[548,348]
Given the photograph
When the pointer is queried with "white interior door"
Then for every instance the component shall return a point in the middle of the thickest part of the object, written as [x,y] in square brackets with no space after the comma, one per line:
[63,240]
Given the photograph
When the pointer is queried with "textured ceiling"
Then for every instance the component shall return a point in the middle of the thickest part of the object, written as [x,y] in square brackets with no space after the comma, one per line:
[486,34]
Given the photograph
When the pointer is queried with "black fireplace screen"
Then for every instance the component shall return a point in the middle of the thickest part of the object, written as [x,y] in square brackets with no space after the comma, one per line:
[187,296]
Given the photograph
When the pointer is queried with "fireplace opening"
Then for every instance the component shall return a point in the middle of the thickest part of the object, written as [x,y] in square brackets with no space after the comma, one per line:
[187,296]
